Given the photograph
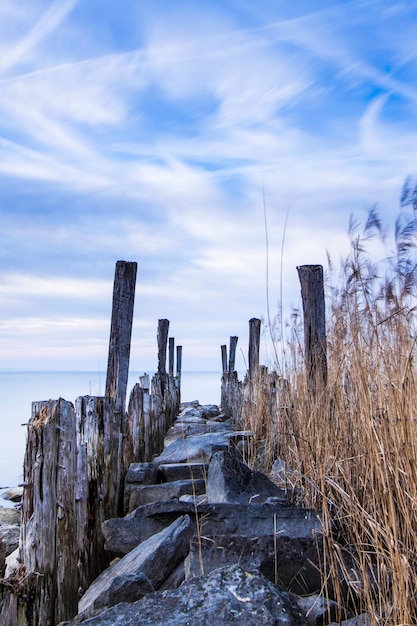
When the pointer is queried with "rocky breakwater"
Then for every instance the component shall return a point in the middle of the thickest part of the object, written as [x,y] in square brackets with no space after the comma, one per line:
[207,540]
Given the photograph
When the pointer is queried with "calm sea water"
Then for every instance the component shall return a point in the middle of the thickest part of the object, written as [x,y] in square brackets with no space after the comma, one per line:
[19,389]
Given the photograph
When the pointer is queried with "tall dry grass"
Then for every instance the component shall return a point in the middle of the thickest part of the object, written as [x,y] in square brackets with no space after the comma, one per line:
[353,449]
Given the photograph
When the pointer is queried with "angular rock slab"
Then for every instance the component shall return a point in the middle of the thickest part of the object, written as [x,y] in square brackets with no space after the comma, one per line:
[198,447]
[141,571]
[145,494]
[228,595]
[9,537]
[183,471]
[215,520]
[231,481]
[291,562]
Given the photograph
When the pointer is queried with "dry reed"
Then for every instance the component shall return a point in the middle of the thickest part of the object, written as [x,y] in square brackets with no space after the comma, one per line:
[353,450]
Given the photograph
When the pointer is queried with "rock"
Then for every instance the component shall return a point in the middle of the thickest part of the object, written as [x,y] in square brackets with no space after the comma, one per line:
[292,562]
[14,494]
[12,563]
[181,429]
[145,494]
[228,595]
[230,480]
[198,447]
[292,524]
[9,515]
[143,473]
[191,403]
[208,411]
[141,571]
[9,537]
[318,609]
[360,620]
[2,559]
[195,500]
[183,471]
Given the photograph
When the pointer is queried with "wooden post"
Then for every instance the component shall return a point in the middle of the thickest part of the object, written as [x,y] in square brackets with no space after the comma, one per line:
[254,345]
[312,293]
[171,356]
[48,535]
[224,358]
[120,333]
[232,353]
[179,362]
[162,338]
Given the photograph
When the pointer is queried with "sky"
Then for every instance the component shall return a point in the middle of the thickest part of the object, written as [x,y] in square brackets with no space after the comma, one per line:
[218,144]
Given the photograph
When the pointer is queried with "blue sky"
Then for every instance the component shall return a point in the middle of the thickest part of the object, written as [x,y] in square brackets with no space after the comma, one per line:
[151,131]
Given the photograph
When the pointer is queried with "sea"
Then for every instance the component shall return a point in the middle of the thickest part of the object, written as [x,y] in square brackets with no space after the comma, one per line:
[19,389]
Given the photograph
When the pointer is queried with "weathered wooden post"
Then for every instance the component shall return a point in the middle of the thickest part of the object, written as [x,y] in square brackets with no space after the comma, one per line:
[120,333]
[312,293]
[232,353]
[162,338]
[171,354]
[48,539]
[179,363]
[254,345]
[224,358]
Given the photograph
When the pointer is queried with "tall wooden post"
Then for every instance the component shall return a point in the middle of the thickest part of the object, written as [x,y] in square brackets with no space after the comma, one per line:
[254,345]
[312,293]
[120,333]
[179,362]
[232,353]
[171,354]
[224,358]
[162,338]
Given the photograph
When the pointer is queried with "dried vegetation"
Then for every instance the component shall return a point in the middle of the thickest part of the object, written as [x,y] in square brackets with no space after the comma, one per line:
[353,448]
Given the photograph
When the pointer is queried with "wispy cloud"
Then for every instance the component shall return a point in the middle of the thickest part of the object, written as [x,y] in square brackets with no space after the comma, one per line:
[152,137]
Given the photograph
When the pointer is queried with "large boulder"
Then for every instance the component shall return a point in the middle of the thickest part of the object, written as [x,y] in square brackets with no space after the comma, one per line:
[280,540]
[230,480]
[141,571]
[228,595]
[292,562]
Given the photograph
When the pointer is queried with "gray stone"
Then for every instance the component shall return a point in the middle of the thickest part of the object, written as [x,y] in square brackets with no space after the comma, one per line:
[141,571]
[9,537]
[9,515]
[208,411]
[198,447]
[290,561]
[183,471]
[360,620]
[145,494]
[229,595]
[216,520]
[318,609]
[195,427]
[14,494]
[187,405]
[2,559]
[143,473]
[230,480]
[189,414]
